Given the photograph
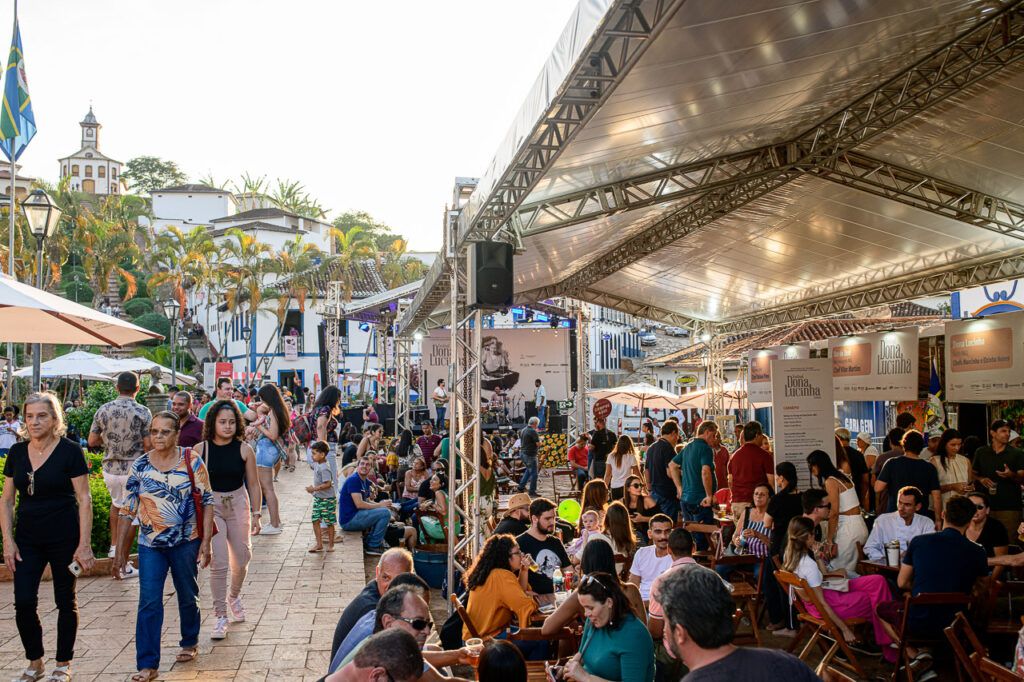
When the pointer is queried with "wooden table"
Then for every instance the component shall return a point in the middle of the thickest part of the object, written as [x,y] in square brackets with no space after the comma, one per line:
[866,567]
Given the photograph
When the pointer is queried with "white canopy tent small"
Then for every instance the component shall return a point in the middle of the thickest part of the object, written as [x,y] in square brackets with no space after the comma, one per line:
[734,397]
[90,366]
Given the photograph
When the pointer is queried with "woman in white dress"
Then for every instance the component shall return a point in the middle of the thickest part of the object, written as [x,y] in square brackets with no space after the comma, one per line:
[955,474]
[846,526]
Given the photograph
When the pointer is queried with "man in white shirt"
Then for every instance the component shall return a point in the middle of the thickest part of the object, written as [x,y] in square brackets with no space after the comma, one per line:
[540,399]
[934,436]
[440,397]
[651,561]
[865,446]
[904,524]
[9,427]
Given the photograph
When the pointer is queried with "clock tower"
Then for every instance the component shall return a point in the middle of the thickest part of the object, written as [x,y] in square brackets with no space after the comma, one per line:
[90,130]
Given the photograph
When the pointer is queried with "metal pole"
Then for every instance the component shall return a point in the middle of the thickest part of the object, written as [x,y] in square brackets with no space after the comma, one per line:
[174,352]
[10,256]
[37,348]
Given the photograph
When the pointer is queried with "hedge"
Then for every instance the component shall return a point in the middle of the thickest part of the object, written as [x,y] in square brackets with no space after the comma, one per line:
[154,322]
[100,505]
[138,306]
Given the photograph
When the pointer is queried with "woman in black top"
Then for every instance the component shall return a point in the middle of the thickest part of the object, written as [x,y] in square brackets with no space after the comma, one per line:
[986,531]
[54,527]
[641,507]
[782,508]
[237,500]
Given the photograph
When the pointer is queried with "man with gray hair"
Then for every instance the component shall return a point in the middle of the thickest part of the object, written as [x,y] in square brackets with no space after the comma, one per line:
[699,630]
[391,563]
[529,444]
[394,653]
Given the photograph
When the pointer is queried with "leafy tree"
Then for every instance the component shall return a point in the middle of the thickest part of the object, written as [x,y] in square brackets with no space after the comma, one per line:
[137,307]
[378,232]
[150,173]
[290,195]
[97,394]
[78,291]
[113,242]
[154,322]
[182,261]
[352,249]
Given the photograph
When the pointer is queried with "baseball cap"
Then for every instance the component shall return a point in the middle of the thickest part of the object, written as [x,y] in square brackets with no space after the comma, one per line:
[864,436]
[518,501]
[935,433]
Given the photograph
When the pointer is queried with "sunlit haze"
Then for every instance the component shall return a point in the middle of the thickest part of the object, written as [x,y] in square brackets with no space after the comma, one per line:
[375,106]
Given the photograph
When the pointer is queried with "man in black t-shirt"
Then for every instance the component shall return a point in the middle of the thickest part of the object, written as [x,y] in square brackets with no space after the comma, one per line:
[517,520]
[909,470]
[699,631]
[544,549]
[661,486]
[602,442]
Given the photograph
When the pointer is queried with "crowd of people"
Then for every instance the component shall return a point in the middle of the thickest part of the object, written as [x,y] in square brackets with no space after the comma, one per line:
[633,584]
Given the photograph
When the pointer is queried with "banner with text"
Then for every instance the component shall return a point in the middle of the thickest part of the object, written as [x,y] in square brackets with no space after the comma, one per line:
[984,360]
[759,385]
[880,366]
[512,360]
[803,415]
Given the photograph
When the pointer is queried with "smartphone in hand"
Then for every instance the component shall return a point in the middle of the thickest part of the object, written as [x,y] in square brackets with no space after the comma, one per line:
[75,568]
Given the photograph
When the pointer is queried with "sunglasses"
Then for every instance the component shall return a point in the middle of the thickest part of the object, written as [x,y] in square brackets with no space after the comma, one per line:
[31,483]
[418,624]
[824,506]
[162,433]
[636,486]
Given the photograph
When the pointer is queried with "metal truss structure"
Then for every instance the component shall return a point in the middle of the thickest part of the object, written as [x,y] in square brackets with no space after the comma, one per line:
[580,403]
[723,185]
[715,380]
[403,374]
[331,312]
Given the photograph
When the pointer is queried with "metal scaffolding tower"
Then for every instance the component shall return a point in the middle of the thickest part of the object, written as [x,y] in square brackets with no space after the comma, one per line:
[334,339]
[403,374]
[580,409]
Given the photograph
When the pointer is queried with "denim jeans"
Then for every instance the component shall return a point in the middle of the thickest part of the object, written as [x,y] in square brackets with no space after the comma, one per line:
[375,519]
[542,412]
[440,417]
[695,512]
[581,477]
[668,505]
[154,562]
[530,475]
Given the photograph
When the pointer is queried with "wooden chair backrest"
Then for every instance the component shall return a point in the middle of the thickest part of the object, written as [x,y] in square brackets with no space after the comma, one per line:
[744,561]
[713,532]
[930,599]
[464,614]
[959,631]
[804,593]
[434,546]
[992,670]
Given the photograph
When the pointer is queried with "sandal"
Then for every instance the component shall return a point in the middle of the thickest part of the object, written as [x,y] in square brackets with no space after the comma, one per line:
[186,654]
[145,675]
[315,550]
[60,674]
[29,675]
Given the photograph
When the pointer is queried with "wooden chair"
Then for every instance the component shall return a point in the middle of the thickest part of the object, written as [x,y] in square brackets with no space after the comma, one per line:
[713,532]
[567,491]
[433,546]
[959,633]
[820,627]
[747,592]
[463,614]
[905,637]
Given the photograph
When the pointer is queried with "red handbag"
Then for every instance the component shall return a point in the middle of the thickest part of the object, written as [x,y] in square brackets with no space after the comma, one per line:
[197,497]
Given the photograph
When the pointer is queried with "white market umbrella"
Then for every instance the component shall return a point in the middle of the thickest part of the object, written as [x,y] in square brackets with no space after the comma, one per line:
[734,395]
[639,395]
[30,315]
[144,365]
[78,363]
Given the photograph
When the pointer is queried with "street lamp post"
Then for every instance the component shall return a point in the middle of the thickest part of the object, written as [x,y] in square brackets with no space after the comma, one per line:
[171,310]
[42,216]
[246,336]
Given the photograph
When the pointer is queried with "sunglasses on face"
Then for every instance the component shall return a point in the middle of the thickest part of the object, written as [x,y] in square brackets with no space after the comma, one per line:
[418,624]
[636,486]
[162,433]
[824,506]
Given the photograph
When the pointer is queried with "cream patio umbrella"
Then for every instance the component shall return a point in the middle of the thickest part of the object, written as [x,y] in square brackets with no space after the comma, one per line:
[639,395]
[30,315]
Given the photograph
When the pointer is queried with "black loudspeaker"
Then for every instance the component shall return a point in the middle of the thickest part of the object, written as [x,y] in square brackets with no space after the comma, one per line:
[321,332]
[573,362]
[491,273]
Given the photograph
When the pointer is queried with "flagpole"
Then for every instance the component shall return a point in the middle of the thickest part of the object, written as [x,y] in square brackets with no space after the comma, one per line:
[10,251]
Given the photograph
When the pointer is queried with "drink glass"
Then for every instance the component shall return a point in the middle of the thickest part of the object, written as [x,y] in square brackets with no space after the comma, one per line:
[475,646]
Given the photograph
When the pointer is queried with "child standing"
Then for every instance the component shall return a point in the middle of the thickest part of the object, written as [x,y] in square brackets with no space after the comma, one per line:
[324,497]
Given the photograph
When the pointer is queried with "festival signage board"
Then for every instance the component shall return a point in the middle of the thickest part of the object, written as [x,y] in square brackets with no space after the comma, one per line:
[759,382]
[880,366]
[803,416]
[984,359]
[291,347]
[511,361]
[602,408]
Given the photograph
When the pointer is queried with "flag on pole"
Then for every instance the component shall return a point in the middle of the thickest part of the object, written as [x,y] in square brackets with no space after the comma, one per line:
[17,123]
[935,414]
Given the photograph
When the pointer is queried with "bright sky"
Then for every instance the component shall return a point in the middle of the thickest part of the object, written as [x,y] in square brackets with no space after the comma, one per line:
[371,105]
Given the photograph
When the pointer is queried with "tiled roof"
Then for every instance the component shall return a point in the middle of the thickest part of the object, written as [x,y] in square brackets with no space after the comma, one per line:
[256,225]
[256,214]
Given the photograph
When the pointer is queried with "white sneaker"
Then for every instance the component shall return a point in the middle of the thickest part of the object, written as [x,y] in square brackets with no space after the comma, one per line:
[112,552]
[237,610]
[220,630]
[270,530]
[130,571]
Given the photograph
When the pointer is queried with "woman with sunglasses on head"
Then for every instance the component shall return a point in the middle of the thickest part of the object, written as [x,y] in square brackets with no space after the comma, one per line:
[986,531]
[616,646]
[159,494]
[640,505]
[846,526]
[54,526]
[598,557]
[498,589]
[237,501]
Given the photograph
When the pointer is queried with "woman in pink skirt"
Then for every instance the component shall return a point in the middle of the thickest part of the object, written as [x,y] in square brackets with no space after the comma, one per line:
[865,593]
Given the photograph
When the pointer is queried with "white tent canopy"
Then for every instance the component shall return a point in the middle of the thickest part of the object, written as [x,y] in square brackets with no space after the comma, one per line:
[97,367]
[30,315]
[639,395]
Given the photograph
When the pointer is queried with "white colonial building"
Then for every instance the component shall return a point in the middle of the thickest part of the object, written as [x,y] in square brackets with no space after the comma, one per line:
[88,169]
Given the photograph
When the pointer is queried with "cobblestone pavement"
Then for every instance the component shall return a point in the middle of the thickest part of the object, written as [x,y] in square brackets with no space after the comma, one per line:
[292,600]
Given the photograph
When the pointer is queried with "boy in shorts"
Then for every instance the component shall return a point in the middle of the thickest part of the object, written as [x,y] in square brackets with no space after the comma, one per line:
[325,494]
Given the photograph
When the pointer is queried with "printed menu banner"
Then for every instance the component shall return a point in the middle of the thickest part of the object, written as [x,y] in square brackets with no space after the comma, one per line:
[881,366]
[984,360]
[803,415]
[759,384]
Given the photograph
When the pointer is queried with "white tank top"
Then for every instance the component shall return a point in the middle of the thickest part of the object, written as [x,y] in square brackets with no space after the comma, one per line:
[847,498]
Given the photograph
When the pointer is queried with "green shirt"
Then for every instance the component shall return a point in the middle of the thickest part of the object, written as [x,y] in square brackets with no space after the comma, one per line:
[625,654]
[692,459]
[206,408]
[987,463]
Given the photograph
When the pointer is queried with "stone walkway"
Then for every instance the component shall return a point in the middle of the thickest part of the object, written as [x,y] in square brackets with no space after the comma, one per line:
[292,599]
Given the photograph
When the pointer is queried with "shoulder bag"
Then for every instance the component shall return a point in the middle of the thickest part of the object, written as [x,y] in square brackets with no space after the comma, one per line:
[197,497]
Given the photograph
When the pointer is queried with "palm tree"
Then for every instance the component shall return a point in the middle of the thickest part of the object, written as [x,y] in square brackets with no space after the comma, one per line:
[290,195]
[247,264]
[182,261]
[113,241]
[352,249]
[396,268]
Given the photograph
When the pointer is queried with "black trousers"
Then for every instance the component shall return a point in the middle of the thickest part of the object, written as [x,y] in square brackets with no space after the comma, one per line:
[27,576]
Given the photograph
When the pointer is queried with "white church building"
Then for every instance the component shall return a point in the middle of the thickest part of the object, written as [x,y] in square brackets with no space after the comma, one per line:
[88,169]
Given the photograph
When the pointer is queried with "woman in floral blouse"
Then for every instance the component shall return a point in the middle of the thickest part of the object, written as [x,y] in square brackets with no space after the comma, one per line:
[159,494]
